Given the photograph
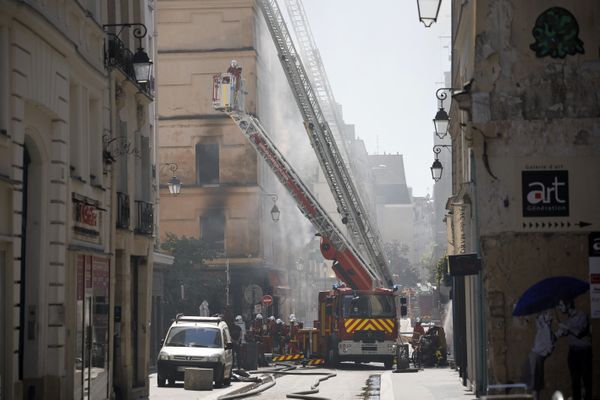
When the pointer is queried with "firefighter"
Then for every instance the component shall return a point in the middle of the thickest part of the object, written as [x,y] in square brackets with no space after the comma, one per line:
[256,329]
[279,336]
[294,333]
[418,331]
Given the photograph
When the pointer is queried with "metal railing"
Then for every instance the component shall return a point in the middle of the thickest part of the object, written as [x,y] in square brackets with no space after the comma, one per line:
[123,210]
[116,54]
[145,218]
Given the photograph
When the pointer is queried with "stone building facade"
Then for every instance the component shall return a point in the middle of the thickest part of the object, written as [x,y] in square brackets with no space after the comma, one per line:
[525,119]
[69,122]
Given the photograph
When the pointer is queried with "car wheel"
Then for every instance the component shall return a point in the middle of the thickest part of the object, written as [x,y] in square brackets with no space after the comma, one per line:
[227,381]
[161,381]
[171,381]
[220,377]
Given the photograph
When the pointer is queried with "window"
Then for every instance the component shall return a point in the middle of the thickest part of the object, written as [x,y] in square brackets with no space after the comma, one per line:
[212,229]
[194,337]
[368,306]
[207,164]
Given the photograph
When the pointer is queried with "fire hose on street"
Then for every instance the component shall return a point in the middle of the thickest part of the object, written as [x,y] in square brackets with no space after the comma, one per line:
[269,381]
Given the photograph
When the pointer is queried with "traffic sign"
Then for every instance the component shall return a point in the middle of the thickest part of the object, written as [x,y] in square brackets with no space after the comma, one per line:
[267,300]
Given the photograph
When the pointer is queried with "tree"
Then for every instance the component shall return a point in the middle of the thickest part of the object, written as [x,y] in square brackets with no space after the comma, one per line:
[189,281]
[397,256]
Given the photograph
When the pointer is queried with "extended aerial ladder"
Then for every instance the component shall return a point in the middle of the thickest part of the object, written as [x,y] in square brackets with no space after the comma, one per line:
[348,264]
[322,139]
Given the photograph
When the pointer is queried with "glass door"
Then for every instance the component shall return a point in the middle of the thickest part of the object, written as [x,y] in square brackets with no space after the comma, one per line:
[91,355]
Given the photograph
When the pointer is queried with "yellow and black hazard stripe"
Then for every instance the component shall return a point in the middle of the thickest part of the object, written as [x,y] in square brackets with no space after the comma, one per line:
[369,324]
[316,361]
[288,357]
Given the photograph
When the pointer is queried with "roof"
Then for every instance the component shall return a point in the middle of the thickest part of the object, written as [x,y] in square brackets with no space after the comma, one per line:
[194,318]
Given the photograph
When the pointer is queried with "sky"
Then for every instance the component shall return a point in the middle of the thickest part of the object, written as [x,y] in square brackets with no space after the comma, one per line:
[384,67]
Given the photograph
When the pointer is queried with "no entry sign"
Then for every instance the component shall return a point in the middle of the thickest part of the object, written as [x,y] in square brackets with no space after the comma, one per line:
[267,300]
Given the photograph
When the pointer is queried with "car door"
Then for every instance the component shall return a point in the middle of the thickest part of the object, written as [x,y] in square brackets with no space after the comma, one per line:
[228,352]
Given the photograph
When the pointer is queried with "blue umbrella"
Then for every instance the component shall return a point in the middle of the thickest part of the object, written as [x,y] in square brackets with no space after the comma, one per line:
[546,294]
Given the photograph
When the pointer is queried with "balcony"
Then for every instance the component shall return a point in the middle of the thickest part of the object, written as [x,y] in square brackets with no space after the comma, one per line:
[117,55]
[145,218]
[122,210]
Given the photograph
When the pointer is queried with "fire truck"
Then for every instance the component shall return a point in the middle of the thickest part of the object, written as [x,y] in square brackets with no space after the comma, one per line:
[356,319]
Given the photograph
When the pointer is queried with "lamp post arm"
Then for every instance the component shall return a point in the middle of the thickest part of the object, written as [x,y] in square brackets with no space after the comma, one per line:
[437,149]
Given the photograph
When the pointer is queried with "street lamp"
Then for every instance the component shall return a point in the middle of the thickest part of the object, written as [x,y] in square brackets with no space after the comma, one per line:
[441,119]
[428,11]
[437,168]
[275,213]
[174,184]
[142,66]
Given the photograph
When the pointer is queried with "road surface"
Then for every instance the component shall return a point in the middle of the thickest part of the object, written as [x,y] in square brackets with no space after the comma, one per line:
[351,382]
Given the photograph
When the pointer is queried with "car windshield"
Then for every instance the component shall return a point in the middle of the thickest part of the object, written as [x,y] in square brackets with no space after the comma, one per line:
[368,306]
[186,336]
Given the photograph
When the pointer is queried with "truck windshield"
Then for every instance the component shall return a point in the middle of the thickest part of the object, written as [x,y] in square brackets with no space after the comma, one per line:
[186,336]
[368,306]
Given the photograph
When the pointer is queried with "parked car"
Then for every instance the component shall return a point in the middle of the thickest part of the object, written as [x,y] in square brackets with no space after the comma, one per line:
[196,342]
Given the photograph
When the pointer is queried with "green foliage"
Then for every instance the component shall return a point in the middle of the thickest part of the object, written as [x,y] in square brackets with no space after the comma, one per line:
[404,272]
[441,272]
[189,269]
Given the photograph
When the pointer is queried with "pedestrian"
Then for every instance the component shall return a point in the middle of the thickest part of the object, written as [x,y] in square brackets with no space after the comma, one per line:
[577,330]
[543,345]
[236,335]
[239,321]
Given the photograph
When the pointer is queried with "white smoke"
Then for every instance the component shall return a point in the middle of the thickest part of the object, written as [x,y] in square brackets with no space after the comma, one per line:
[448,328]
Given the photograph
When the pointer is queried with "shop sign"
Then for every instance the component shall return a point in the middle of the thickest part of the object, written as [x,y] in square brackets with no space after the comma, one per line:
[545,193]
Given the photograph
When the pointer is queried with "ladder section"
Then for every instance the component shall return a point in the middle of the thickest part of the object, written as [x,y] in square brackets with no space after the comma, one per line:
[311,58]
[325,146]
[348,265]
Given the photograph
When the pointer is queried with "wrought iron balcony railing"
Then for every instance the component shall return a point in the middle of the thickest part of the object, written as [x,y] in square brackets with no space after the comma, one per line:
[122,210]
[145,218]
[116,54]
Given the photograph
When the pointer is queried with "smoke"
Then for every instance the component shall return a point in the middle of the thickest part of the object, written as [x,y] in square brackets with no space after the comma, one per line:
[278,111]
[448,328]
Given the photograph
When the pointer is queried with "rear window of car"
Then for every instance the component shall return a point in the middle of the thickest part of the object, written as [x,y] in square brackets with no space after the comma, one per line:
[185,336]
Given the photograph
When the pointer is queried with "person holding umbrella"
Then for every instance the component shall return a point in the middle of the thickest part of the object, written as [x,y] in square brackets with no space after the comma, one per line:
[543,345]
[577,330]
[559,291]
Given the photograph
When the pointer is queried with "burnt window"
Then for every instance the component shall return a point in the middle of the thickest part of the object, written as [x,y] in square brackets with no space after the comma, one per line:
[207,164]
[212,229]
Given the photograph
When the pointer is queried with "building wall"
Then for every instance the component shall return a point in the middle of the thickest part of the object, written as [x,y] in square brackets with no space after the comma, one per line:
[58,271]
[526,113]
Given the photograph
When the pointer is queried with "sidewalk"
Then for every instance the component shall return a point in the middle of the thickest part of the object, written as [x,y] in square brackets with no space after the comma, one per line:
[430,383]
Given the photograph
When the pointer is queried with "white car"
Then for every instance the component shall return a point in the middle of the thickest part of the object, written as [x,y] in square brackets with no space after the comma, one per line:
[196,342]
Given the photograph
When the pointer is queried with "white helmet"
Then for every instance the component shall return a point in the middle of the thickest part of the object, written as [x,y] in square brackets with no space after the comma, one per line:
[292,317]
[258,316]
[271,318]
[238,318]
[234,63]
[279,321]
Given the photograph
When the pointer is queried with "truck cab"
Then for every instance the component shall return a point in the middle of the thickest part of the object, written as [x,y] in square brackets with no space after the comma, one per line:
[357,325]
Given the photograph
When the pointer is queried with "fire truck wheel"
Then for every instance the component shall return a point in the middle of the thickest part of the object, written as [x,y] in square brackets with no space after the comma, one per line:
[333,358]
